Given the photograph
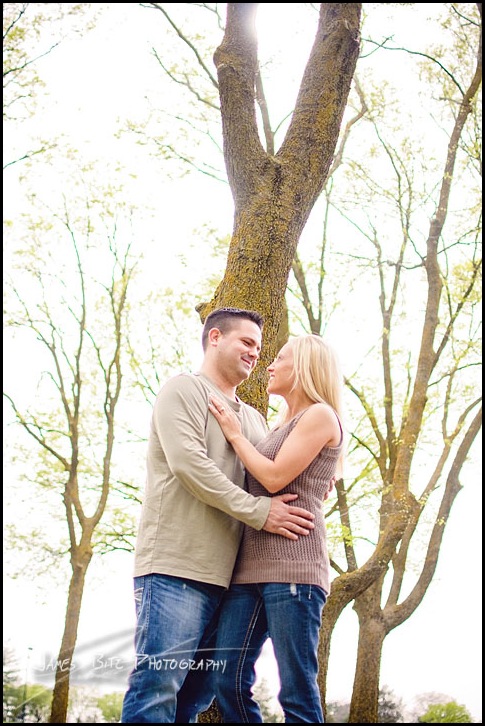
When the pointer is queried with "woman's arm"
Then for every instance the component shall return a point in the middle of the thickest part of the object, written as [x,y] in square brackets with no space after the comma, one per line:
[318,427]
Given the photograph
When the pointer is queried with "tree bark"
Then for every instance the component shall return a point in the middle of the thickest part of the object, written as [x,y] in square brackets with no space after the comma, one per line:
[274,194]
[372,631]
[60,695]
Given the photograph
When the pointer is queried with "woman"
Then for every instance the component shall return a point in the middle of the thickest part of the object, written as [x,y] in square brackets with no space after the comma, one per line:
[279,588]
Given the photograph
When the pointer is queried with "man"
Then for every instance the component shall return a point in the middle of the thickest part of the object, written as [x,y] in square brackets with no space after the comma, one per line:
[191,524]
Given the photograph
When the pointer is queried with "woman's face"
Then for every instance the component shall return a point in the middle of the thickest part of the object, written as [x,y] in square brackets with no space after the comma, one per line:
[281,374]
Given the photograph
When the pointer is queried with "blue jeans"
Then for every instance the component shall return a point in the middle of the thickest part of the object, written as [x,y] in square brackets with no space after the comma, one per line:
[291,616]
[174,657]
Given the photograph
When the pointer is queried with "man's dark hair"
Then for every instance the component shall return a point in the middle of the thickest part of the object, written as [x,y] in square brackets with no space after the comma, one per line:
[224,319]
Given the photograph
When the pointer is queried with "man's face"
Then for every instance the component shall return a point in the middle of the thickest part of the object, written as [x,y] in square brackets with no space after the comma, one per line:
[238,350]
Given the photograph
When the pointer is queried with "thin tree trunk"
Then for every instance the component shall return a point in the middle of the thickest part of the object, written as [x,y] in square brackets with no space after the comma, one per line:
[372,633]
[60,695]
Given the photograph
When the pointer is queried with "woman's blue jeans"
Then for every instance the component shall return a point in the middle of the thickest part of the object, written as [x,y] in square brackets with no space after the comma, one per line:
[174,657]
[291,616]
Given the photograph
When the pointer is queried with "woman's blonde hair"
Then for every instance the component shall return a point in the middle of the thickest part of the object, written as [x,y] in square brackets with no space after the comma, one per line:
[317,372]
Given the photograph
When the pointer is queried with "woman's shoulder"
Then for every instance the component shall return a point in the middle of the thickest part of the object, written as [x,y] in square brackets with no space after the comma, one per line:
[318,412]
[321,416]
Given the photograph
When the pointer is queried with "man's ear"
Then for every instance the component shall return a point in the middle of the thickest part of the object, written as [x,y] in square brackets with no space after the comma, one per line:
[214,335]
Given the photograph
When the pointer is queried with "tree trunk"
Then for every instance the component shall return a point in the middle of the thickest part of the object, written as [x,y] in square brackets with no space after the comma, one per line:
[212,715]
[376,623]
[372,632]
[60,695]
[274,194]
[331,613]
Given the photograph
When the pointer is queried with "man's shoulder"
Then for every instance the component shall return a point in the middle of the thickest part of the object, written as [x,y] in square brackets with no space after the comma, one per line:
[180,378]
[183,383]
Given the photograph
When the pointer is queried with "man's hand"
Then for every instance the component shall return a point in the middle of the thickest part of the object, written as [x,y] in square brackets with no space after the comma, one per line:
[287,520]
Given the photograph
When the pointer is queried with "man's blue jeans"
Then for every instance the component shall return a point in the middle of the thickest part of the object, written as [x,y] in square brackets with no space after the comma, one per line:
[174,658]
[291,616]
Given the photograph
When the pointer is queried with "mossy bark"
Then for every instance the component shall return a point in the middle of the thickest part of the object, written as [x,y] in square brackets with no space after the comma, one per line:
[275,193]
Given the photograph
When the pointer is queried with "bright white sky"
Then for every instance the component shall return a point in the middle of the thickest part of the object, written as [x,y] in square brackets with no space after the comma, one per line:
[93,81]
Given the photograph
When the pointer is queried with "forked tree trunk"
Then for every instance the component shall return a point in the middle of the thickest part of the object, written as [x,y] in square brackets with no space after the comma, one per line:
[274,194]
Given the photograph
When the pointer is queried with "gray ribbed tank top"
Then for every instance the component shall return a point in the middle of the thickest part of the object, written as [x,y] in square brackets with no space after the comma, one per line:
[267,557]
